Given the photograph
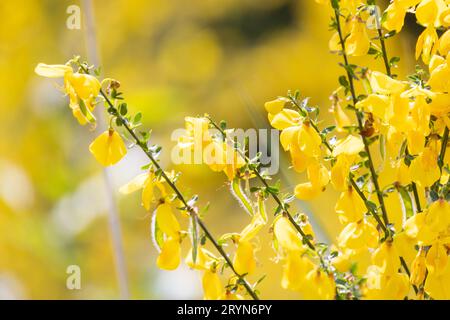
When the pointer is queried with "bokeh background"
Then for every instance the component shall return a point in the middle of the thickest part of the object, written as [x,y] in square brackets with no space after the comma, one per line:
[174,58]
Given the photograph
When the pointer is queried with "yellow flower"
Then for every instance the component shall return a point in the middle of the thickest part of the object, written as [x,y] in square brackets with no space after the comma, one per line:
[319,286]
[438,216]
[350,207]
[418,269]
[425,46]
[397,286]
[82,89]
[400,107]
[340,171]
[204,260]
[394,140]
[251,230]
[357,43]
[437,258]
[444,43]
[395,209]
[349,146]
[378,105]
[429,11]
[424,169]
[275,106]
[385,287]
[435,61]
[444,18]
[342,262]
[396,172]
[405,246]
[437,284]
[383,84]
[244,260]
[300,160]
[295,269]
[416,228]
[169,257]
[335,43]
[395,17]
[147,182]
[284,119]
[108,148]
[440,104]
[212,286]
[358,235]
[167,221]
[234,161]
[289,137]
[197,132]
[228,295]
[340,116]
[309,140]
[285,234]
[438,80]
[318,177]
[386,258]
[300,139]
[222,156]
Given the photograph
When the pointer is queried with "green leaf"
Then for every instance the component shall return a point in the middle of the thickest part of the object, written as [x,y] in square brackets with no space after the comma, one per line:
[156,233]
[394,60]
[327,130]
[86,112]
[335,4]
[137,118]
[262,208]
[225,237]
[343,81]
[123,109]
[237,191]
[407,202]
[119,122]
[223,125]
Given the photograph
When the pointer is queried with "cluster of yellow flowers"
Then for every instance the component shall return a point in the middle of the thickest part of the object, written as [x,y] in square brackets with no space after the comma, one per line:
[408,121]
[391,168]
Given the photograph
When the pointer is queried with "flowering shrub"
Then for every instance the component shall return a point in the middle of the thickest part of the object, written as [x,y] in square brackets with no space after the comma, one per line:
[386,155]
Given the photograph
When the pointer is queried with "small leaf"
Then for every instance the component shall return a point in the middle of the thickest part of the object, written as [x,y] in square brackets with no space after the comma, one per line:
[236,190]
[123,109]
[157,234]
[407,202]
[137,118]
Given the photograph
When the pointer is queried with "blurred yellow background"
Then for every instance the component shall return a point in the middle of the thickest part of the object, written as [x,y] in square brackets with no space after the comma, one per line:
[174,58]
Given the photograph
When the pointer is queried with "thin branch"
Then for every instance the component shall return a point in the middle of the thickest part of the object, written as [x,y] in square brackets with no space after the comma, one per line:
[266,185]
[352,181]
[360,117]
[143,146]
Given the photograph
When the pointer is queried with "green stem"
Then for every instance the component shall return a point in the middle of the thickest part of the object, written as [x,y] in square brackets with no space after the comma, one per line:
[443,148]
[360,118]
[274,196]
[384,51]
[372,212]
[416,197]
[352,181]
[143,146]
[389,73]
